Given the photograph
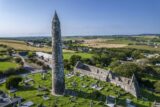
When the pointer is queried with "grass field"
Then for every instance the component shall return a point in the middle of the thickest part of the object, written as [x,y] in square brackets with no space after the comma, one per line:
[144,47]
[85,95]
[96,43]
[2,49]
[67,55]
[120,41]
[20,45]
[7,65]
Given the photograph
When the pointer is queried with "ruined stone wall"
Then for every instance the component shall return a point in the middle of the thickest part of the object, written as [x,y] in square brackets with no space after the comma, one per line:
[129,85]
[91,71]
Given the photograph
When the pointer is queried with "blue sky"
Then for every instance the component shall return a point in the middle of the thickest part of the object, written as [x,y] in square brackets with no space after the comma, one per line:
[79,17]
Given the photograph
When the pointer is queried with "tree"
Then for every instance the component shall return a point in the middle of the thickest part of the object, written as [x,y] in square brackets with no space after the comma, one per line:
[74,59]
[13,82]
[127,69]
[31,54]
[101,59]
[115,64]
[45,67]
[137,54]
[67,64]
[18,60]
[10,51]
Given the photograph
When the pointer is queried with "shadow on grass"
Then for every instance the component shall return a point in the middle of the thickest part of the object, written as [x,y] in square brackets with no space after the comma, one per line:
[22,88]
[96,95]
[150,95]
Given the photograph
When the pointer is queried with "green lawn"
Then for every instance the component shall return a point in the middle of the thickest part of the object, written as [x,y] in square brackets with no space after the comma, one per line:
[67,55]
[3,49]
[7,65]
[85,95]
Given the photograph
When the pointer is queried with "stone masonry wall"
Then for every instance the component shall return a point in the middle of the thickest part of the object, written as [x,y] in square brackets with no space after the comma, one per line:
[127,84]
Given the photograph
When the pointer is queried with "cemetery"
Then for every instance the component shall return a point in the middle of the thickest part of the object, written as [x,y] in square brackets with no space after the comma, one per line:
[95,91]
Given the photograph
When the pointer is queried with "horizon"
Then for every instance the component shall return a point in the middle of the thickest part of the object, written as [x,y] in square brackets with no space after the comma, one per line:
[33,18]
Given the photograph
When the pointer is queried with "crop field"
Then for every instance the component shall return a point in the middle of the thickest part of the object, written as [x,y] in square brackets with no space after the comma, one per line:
[121,43]
[85,95]
[103,43]
[95,43]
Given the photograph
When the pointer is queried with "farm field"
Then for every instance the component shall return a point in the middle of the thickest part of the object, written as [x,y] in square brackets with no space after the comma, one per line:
[103,43]
[85,95]
[95,43]
[121,43]
[20,45]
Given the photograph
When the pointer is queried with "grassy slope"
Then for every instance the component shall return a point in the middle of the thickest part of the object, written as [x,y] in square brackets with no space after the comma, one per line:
[6,65]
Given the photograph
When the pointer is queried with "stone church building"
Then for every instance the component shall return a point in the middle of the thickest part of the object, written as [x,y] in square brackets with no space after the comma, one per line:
[130,85]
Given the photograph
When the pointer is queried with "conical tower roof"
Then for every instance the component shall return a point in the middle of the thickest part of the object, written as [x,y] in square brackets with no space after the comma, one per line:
[55,18]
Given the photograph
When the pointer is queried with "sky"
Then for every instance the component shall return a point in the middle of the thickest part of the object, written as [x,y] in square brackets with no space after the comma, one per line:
[79,17]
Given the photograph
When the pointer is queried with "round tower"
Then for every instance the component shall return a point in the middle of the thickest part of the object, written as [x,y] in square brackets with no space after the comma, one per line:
[58,81]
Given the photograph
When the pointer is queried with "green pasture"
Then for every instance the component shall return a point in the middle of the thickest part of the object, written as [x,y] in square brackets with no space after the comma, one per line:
[7,65]
[67,55]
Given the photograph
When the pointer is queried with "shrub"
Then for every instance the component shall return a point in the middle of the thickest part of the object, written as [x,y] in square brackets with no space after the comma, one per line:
[31,54]
[13,82]
[74,59]
[18,60]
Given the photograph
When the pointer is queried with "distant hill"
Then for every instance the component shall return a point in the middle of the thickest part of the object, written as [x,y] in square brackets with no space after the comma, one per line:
[77,36]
